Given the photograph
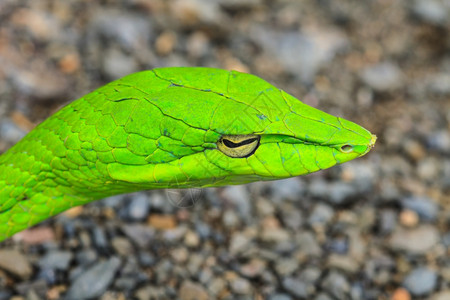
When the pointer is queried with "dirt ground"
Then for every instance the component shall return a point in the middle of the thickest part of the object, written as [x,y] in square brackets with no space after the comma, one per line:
[373,228]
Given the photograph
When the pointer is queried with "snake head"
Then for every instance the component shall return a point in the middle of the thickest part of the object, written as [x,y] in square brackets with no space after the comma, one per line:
[215,127]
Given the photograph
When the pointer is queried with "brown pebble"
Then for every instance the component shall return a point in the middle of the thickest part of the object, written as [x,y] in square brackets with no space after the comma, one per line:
[162,221]
[69,63]
[34,236]
[409,218]
[166,42]
[401,294]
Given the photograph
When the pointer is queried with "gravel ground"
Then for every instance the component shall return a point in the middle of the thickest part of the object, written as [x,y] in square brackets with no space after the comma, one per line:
[374,228]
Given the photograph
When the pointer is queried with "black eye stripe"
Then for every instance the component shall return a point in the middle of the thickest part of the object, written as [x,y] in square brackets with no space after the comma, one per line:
[231,144]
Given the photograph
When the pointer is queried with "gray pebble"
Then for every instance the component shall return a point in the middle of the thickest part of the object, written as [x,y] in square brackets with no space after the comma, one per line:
[138,207]
[140,234]
[238,195]
[341,193]
[297,287]
[289,189]
[308,244]
[59,260]
[420,281]
[94,281]
[322,214]
[286,266]
[426,208]
[10,132]
[280,297]
[241,286]
[432,11]
[337,285]
[414,241]
[302,53]
[344,263]
[383,77]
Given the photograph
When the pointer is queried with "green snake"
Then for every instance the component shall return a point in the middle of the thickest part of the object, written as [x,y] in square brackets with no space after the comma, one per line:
[168,128]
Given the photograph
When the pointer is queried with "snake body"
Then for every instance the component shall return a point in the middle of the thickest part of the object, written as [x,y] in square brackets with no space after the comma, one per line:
[168,128]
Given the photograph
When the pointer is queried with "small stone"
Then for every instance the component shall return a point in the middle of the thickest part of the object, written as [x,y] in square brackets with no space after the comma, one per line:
[138,207]
[383,77]
[16,263]
[408,218]
[444,295]
[191,239]
[344,263]
[122,246]
[401,294]
[239,242]
[287,189]
[286,266]
[162,221]
[142,235]
[179,255]
[58,260]
[337,285]
[308,245]
[35,236]
[253,268]
[416,240]
[421,281]
[296,287]
[431,11]
[321,215]
[192,291]
[280,297]
[94,281]
[241,286]
[239,196]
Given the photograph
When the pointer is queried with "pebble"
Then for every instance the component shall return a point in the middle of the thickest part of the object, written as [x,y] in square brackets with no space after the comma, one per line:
[141,235]
[444,295]
[192,291]
[302,53]
[420,281]
[58,260]
[122,246]
[94,281]
[401,294]
[16,263]
[322,214]
[241,286]
[341,193]
[337,285]
[408,218]
[238,196]
[286,266]
[162,221]
[297,288]
[139,207]
[383,77]
[280,297]
[344,263]
[287,189]
[239,242]
[432,11]
[417,240]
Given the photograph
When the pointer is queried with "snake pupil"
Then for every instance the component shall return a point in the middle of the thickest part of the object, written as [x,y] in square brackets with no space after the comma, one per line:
[231,144]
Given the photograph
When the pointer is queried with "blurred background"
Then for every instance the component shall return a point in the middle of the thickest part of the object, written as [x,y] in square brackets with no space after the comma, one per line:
[374,228]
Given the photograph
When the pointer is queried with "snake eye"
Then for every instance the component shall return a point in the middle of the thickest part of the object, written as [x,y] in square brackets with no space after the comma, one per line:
[238,146]
[347,148]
